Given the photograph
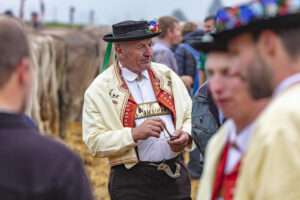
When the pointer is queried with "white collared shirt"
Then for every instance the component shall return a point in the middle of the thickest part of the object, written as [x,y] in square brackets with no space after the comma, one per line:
[283,85]
[221,116]
[153,149]
[241,139]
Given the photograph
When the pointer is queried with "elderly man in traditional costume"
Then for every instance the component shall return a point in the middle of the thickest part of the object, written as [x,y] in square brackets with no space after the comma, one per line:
[227,147]
[263,38]
[137,114]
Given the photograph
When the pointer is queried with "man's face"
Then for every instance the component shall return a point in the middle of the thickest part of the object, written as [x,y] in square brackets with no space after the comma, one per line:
[175,35]
[209,25]
[229,92]
[247,63]
[33,18]
[136,55]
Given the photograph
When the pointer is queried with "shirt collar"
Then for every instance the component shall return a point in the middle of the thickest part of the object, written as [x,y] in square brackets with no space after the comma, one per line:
[131,76]
[221,116]
[242,138]
[283,85]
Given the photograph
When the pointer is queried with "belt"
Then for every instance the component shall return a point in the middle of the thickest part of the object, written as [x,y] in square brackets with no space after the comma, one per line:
[165,166]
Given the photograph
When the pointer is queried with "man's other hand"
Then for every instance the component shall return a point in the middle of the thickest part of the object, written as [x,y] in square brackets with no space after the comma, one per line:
[181,141]
[151,127]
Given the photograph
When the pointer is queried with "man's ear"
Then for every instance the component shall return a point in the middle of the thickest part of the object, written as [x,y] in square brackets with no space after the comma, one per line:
[24,71]
[120,51]
[268,42]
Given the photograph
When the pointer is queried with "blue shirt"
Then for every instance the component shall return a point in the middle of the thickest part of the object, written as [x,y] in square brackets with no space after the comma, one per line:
[164,55]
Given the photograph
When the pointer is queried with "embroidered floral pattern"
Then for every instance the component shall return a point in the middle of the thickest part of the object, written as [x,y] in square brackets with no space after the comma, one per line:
[113,96]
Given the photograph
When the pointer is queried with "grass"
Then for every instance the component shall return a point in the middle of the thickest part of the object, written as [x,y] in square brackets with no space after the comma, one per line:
[61,25]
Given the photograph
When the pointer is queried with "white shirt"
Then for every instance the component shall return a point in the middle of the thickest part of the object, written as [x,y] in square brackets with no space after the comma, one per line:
[152,149]
[241,139]
[221,116]
[283,85]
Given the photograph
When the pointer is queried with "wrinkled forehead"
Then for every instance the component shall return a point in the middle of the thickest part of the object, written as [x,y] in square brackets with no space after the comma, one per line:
[136,42]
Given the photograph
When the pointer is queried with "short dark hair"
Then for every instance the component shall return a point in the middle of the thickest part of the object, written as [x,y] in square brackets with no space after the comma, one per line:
[9,13]
[13,47]
[165,23]
[290,38]
[211,17]
[34,14]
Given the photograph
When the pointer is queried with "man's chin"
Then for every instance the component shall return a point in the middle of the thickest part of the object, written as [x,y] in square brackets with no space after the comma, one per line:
[147,66]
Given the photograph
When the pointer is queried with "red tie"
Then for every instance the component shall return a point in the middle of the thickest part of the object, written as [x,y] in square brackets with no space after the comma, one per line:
[220,171]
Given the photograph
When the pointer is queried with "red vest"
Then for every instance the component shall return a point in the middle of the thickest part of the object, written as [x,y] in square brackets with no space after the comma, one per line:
[162,97]
[224,184]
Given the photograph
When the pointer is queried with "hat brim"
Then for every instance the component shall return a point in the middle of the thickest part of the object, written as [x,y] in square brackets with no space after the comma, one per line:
[110,38]
[291,20]
[207,47]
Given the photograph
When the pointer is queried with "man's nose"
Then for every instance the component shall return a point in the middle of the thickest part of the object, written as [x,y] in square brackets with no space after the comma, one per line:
[148,51]
[216,84]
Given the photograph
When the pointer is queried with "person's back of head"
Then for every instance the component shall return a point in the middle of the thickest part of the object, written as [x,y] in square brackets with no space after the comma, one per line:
[15,79]
[188,27]
[9,13]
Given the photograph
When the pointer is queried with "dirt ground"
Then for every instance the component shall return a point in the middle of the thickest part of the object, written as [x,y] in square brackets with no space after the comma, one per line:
[96,168]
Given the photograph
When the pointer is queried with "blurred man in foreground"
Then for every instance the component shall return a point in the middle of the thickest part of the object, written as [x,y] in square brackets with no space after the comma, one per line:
[32,166]
[227,147]
[265,51]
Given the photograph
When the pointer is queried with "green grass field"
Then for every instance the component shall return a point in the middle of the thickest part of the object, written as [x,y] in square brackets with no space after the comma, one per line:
[55,24]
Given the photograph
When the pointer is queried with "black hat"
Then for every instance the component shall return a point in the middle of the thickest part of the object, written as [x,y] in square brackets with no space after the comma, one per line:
[208,44]
[256,16]
[132,30]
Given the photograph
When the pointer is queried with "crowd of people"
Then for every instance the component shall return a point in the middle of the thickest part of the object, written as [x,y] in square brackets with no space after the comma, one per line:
[227,93]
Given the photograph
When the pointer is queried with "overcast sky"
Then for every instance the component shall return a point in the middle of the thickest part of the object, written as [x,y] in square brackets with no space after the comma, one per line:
[112,11]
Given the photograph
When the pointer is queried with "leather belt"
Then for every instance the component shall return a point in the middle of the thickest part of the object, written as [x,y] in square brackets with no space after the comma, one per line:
[165,166]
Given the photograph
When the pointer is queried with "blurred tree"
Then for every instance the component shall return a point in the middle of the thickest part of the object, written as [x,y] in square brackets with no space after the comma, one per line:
[178,14]
[214,7]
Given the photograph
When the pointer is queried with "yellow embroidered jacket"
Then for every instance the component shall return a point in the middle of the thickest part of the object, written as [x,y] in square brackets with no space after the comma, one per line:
[109,112]
[271,167]
[213,153]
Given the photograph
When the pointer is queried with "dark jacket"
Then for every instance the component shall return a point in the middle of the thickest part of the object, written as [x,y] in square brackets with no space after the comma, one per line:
[34,167]
[205,117]
[186,60]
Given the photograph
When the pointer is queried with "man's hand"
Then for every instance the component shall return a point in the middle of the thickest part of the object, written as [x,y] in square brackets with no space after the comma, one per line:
[187,80]
[181,141]
[151,127]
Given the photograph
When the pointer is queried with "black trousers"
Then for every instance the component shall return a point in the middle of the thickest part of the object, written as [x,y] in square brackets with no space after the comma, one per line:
[145,182]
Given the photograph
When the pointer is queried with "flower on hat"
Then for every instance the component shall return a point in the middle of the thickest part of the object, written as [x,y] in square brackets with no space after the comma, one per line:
[246,14]
[293,6]
[257,9]
[272,8]
[153,26]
